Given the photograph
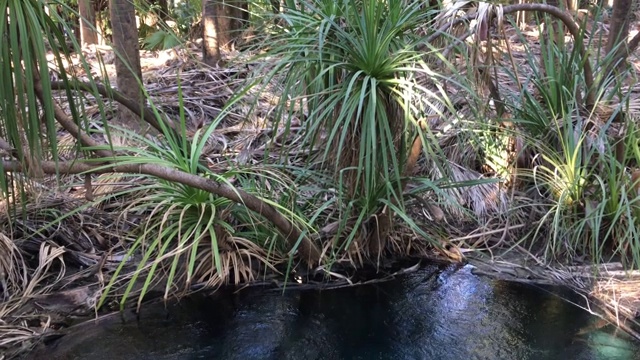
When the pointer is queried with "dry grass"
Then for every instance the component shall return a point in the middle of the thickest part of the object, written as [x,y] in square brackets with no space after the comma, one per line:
[40,256]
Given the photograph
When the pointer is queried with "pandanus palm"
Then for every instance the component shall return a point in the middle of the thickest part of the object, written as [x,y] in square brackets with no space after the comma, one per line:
[188,215]
[26,102]
[352,68]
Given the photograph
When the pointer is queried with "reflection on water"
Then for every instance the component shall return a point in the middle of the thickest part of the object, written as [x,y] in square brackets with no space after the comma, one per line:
[430,314]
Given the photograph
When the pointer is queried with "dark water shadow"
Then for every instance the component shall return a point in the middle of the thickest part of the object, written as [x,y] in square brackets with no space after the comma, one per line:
[431,314]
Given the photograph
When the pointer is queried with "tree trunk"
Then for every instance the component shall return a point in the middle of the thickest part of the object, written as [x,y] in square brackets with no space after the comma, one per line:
[164,9]
[222,22]
[88,28]
[572,6]
[127,61]
[618,33]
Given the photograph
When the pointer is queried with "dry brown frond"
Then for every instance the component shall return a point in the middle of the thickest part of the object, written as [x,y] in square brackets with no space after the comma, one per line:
[63,220]
[242,261]
[18,336]
[482,199]
[13,269]
[75,301]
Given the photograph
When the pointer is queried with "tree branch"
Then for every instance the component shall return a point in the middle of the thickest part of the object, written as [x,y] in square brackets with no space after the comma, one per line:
[564,16]
[308,251]
[69,125]
[624,53]
[143,112]
[574,29]
[633,44]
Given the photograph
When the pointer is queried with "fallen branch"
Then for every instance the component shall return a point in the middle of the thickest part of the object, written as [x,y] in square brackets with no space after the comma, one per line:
[307,250]
[605,271]
[143,112]
[485,233]
[69,125]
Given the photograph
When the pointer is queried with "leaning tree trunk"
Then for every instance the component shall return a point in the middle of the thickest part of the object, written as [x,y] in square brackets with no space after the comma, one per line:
[618,33]
[125,44]
[88,28]
[222,20]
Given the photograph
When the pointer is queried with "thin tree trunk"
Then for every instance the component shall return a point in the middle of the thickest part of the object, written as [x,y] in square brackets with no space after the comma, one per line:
[88,28]
[222,22]
[572,6]
[164,9]
[618,33]
[125,44]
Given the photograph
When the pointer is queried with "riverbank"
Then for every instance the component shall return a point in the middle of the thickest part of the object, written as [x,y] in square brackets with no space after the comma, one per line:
[42,318]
